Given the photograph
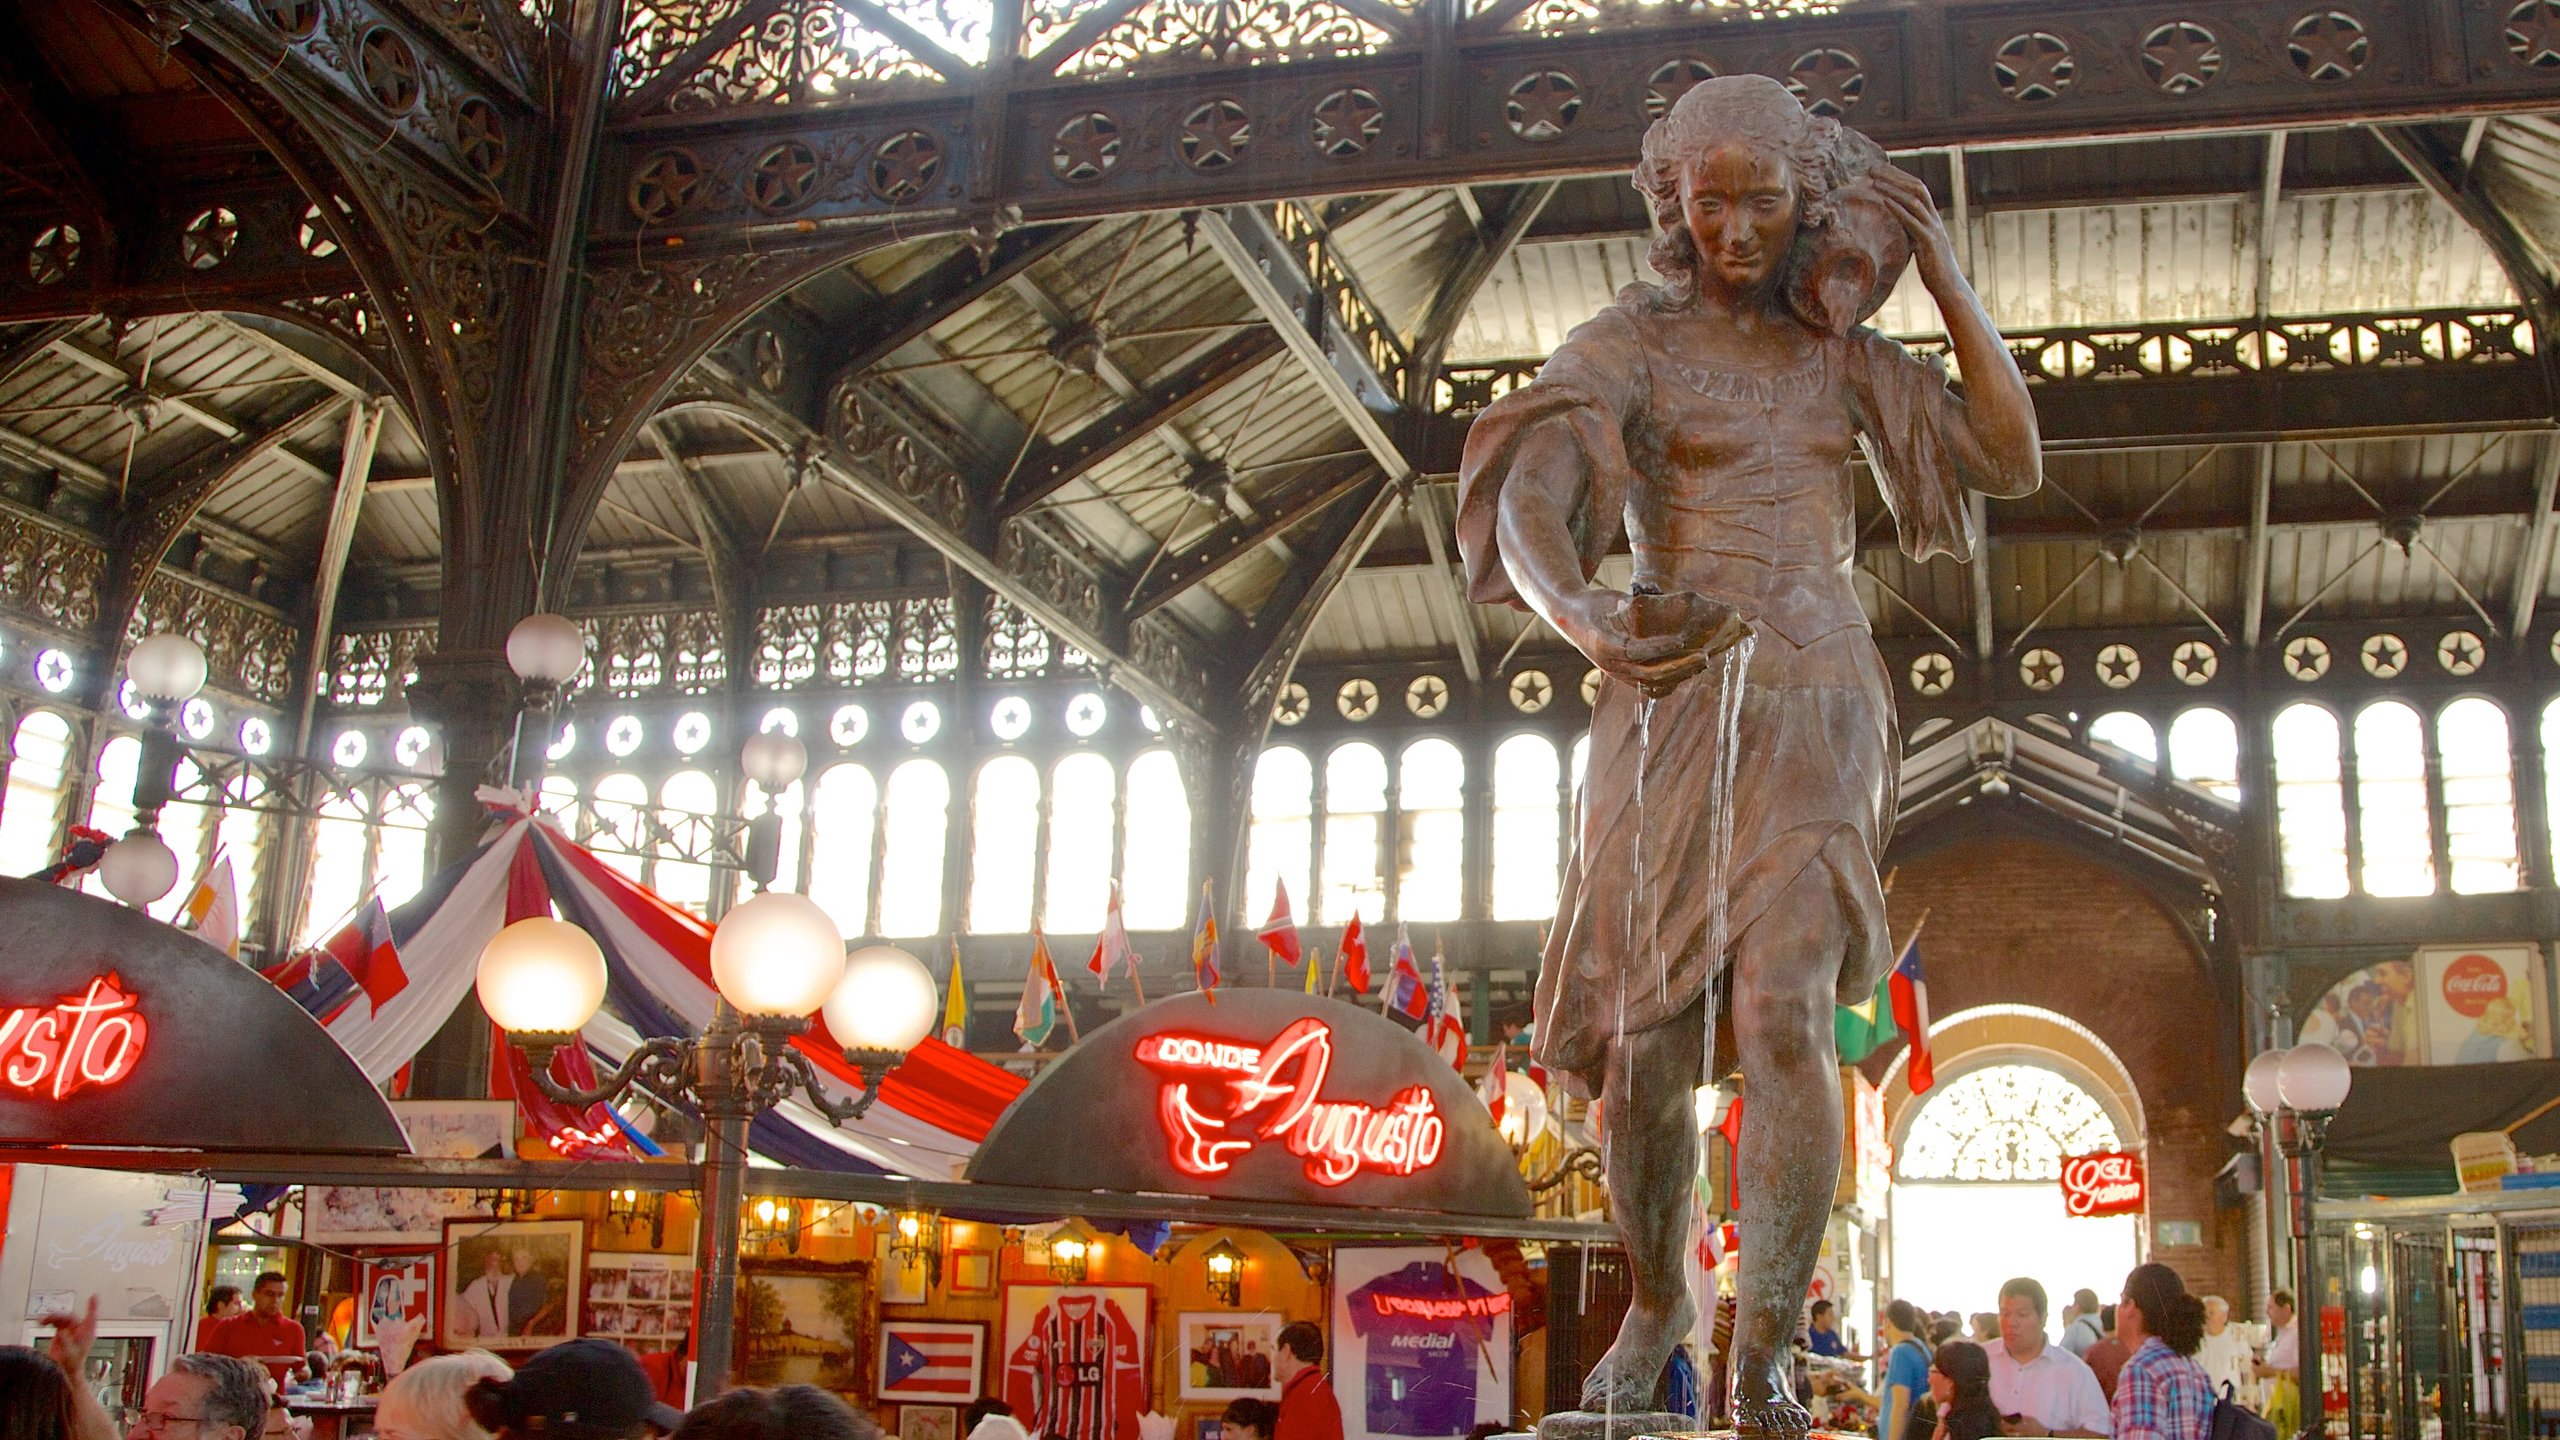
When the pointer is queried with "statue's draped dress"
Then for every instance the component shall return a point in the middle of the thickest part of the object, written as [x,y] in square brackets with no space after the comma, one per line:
[1734,483]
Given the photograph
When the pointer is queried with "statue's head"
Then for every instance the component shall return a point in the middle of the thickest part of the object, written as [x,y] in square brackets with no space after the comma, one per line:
[1751,194]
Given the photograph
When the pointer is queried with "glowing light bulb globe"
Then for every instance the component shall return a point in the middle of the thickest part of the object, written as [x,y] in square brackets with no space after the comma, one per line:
[139,868]
[541,977]
[777,957]
[2314,1077]
[167,668]
[886,1001]
[1524,1109]
[546,649]
[2258,1082]
[773,760]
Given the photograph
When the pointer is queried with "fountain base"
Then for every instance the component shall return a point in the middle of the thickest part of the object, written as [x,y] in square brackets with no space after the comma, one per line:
[1624,1425]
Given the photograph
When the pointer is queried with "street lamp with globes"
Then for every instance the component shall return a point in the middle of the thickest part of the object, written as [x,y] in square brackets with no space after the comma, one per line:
[166,671]
[776,959]
[2300,1090]
[774,761]
[546,652]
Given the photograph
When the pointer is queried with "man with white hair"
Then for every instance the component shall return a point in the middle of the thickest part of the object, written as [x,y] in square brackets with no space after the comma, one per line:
[2224,1355]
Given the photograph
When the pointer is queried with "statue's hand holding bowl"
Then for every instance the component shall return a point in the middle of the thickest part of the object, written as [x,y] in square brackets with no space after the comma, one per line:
[1651,641]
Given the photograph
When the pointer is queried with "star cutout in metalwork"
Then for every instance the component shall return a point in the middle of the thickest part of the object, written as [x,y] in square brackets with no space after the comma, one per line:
[2460,653]
[1214,136]
[208,238]
[2329,45]
[1543,104]
[1931,674]
[2385,656]
[2119,666]
[2533,33]
[479,138]
[1346,121]
[294,17]
[1672,80]
[1087,147]
[2307,658]
[2042,669]
[2035,67]
[905,166]
[783,176]
[2194,662]
[54,256]
[1828,81]
[389,69]
[664,185]
[2181,57]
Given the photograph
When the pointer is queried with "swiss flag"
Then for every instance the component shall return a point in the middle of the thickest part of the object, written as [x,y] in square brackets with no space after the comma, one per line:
[1355,956]
[1279,934]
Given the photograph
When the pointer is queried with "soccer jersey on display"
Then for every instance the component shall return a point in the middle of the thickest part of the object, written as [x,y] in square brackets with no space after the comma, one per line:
[1425,1329]
[1079,1375]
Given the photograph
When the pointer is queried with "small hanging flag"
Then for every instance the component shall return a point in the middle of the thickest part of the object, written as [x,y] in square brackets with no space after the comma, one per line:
[1037,1013]
[1204,944]
[1355,956]
[1279,934]
[1405,991]
[955,1004]
[1111,949]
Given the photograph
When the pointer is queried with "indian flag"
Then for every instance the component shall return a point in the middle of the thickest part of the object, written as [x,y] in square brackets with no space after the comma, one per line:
[1037,1014]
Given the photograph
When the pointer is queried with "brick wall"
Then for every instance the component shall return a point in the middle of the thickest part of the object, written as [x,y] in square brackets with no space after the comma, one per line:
[2024,921]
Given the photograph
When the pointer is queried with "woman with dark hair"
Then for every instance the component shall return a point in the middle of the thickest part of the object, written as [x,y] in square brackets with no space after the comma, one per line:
[1960,1381]
[785,1412]
[2162,1393]
[1250,1419]
[35,1397]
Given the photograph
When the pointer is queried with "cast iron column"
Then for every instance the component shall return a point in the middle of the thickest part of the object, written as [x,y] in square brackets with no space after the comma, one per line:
[726,1061]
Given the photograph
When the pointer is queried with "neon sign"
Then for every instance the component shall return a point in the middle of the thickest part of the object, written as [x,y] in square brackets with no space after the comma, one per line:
[94,1038]
[1220,1097]
[1433,1307]
[2107,1183]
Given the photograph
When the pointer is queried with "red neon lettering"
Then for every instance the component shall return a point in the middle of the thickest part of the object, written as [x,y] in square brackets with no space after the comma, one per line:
[1336,1138]
[2108,1183]
[94,1038]
[1455,1307]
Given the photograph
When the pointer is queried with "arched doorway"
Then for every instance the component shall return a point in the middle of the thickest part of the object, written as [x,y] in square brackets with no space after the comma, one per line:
[1977,1162]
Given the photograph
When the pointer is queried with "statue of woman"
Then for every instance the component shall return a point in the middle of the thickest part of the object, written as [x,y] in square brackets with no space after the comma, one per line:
[1711,419]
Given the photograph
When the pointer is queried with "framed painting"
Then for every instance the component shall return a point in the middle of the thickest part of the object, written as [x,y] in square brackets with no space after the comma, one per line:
[511,1285]
[408,1215]
[973,1274]
[928,1422]
[804,1322]
[396,1287]
[643,1301]
[1229,1356]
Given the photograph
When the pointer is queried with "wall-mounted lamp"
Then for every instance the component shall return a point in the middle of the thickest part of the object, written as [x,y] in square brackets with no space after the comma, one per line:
[771,1220]
[915,1238]
[1226,1273]
[632,1209]
[1072,1251]
[506,1204]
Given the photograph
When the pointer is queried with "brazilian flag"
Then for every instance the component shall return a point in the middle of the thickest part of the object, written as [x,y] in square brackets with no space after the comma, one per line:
[1861,1030]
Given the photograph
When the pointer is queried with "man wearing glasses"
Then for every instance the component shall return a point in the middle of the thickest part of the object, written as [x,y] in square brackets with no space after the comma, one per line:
[203,1397]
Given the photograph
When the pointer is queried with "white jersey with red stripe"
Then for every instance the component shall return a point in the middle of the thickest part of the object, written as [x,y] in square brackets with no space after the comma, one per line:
[1079,1375]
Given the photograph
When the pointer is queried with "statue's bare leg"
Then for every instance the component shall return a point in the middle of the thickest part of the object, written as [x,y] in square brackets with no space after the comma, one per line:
[1784,974]
[1649,1112]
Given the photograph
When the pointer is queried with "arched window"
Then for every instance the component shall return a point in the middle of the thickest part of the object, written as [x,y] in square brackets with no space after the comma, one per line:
[400,866]
[1281,840]
[242,834]
[685,804]
[1581,758]
[2003,1123]
[338,856]
[620,832]
[111,802]
[560,800]
[1524,828]
[917,827]
[2475,757]
[2204,751]
[789,805]
[1081,792]
[1155,859]
[2311,813]
[2391,801]
[2127,732]
[1004,825]
[1355,812]
[844,810]
[1431,784]
[31,812]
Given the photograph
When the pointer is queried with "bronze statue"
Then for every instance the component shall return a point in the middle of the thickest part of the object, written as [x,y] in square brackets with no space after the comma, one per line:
[1727,842]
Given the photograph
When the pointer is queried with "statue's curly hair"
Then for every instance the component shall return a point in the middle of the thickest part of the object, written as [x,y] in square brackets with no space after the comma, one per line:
[1822,155]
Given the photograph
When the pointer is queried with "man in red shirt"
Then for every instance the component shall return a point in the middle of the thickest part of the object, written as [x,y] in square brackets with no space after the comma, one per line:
[266,1334]
[1308,1410]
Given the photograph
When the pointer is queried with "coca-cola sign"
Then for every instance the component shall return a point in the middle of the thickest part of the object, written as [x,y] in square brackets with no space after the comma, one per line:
[2107,1183]
[2471,982]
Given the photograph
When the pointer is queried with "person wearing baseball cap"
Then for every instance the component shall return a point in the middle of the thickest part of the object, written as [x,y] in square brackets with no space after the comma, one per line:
[581,1390]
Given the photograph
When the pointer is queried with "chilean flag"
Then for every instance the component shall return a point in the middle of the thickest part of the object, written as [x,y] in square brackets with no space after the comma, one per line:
[1405,990]
[365,950]
[1355,955]
[1911,1012]
[1279,934]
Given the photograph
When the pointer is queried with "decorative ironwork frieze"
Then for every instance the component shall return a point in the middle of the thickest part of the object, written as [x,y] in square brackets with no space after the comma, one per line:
[50,574]
[856,642]
[371,668]
[1160,35]
[660,652]
[249,651]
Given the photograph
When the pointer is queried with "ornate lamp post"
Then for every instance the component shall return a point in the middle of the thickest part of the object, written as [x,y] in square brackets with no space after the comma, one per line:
[775,959]
[773,761]
[2300,1090]
[546,651]
[166,672]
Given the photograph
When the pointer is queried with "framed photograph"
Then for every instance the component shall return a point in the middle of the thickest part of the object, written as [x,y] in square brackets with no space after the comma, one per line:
[1228,1356]
[395,1287]
[410,1215]
[973,1274]
[930,1360]
[643,1301]
[2478,1003]
[511,1285]
[907,1281]
[928,1422]
[803,1322]
[1073,1351]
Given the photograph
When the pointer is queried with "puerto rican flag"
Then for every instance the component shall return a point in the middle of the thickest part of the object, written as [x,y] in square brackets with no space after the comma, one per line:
[930,1360]
[1911,1012]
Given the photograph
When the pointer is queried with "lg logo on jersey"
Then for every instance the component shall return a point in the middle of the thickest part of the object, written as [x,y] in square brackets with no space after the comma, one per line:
[1211,1122]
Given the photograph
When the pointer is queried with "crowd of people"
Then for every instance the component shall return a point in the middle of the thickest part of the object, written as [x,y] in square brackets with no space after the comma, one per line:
[2151,1366]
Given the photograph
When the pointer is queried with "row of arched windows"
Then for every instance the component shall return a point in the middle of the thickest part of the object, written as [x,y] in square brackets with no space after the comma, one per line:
[2388,843]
